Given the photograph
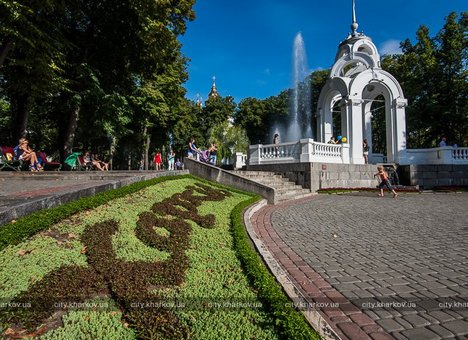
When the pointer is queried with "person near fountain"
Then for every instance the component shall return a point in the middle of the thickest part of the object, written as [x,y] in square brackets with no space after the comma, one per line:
[443,142]
[276,140]
[365,151]
[384,182]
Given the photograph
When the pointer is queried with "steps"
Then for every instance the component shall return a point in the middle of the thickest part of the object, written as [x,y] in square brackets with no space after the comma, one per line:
[285,189]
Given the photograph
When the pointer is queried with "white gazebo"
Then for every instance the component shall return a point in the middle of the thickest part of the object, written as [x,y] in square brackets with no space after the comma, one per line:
[355,81]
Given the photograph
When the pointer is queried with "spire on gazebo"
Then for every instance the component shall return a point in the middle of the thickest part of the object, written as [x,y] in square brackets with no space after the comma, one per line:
[354,24]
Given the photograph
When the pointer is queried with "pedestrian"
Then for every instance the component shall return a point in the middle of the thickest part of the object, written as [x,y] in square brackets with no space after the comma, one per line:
[384,182]
[213,150]
[171,159]
[158,160]
[276,141]
[443,142]
[193,151]
[365,151]
[332,140]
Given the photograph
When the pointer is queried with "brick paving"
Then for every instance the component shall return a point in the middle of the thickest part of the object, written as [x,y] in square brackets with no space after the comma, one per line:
[397,268]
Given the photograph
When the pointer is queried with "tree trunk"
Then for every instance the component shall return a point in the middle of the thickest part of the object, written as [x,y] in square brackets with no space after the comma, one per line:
[21,117]
[129,161]
[112,150]
[69,136]
[147,139]
[4,49]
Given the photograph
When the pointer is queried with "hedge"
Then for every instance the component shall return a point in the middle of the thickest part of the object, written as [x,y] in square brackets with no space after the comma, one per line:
[290,323]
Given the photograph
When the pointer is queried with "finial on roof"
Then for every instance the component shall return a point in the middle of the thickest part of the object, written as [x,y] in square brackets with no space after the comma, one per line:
[354,25]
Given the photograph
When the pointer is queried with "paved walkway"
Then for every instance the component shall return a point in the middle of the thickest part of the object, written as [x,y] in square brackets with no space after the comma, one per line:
[397,268]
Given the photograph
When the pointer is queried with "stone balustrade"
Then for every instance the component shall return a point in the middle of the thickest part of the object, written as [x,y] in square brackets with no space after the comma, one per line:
[308,150]
[442,155]
[303,151]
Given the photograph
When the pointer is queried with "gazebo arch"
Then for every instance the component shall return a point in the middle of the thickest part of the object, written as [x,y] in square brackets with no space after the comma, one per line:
[356,79]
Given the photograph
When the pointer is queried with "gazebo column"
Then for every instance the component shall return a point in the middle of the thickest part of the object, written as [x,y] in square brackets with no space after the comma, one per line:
[397,124]
[352,129]
[328,125]
[367,123]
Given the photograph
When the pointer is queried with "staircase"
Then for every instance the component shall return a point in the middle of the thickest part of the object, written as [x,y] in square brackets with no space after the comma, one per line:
[285,190]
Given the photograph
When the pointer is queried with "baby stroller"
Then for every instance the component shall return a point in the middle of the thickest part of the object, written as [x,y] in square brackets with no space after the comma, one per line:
[205,156]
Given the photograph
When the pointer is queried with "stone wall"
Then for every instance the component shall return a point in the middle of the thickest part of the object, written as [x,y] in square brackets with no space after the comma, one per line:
[317,176]
[229,178]
[430,176]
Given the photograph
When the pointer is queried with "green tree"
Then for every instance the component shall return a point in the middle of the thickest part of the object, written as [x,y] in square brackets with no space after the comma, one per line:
[217,110]
[251,115]
[433,74]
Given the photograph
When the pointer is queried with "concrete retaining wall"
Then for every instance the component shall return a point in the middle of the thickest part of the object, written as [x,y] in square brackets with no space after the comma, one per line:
[215,174]
[317,176]
[13,206]
[430,176]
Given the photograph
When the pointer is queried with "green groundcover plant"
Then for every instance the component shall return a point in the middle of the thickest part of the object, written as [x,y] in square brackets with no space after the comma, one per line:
[166,258]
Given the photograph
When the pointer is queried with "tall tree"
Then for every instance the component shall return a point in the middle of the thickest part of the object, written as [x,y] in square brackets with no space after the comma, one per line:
[433,74]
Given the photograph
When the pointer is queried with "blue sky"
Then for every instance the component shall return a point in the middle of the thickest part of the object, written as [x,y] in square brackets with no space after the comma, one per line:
[248,45]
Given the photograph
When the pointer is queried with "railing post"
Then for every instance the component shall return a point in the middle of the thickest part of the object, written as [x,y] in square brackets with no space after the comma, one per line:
[445,155]
[306,150]
[239,161]
[254,154]
[345,153]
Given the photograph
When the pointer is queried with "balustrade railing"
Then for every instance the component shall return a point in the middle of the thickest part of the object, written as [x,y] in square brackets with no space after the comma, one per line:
[460,154]
[442,155]
[305,150]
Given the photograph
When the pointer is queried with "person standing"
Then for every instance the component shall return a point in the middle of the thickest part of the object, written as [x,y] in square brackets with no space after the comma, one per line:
[192,151]
[384,182]
[171,159]
[443,142]
[213,153]
[365,151]
[276,140]
[158,160]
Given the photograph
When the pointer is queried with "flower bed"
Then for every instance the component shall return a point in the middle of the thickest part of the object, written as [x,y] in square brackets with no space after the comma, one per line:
[158,263]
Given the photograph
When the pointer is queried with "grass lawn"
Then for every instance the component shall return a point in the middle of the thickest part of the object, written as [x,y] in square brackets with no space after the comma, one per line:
[157,263]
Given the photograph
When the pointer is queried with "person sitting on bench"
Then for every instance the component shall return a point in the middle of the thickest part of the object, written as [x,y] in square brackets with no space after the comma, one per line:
[25,153]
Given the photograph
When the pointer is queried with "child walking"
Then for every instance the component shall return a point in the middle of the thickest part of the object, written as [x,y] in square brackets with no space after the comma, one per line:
[384,182]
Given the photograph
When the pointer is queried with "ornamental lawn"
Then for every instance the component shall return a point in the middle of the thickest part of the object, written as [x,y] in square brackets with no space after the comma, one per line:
[213,301]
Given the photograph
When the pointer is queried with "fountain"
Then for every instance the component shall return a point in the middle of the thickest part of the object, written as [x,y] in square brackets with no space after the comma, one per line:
[300,106]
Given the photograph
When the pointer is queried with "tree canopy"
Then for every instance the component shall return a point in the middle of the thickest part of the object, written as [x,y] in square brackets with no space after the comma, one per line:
[108,76]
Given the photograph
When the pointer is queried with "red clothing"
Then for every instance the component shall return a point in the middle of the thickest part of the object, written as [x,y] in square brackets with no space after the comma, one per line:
[157,158]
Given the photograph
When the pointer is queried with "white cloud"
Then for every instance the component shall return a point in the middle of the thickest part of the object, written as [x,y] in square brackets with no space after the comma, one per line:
[390,47]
